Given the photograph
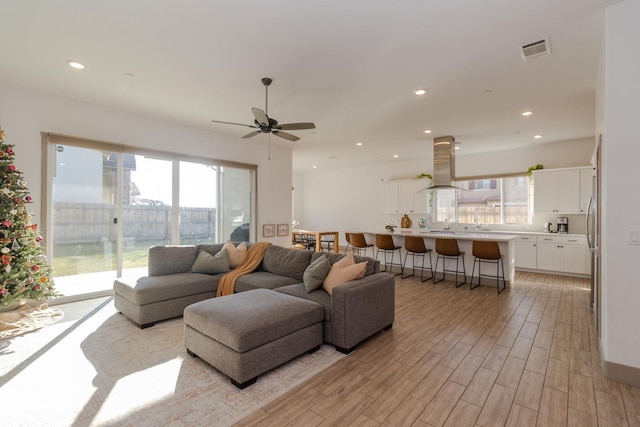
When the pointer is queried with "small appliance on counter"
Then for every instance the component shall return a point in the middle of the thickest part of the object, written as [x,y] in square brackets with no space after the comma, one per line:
[547,227]
[563,225]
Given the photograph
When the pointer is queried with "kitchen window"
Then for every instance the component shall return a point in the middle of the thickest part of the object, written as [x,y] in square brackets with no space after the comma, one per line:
[503,200]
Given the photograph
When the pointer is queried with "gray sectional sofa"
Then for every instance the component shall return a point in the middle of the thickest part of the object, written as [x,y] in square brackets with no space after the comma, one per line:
[353,312]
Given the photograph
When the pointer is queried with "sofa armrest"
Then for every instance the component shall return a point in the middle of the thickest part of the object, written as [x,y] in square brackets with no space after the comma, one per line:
[360,308]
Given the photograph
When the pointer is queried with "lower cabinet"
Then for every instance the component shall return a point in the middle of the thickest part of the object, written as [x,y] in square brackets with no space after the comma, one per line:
[526,252]
[562,254]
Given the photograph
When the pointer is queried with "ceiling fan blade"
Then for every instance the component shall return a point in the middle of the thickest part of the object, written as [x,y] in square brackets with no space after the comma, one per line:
[295,126]
[260,116]
[285,135]
[250,134]
[231,123]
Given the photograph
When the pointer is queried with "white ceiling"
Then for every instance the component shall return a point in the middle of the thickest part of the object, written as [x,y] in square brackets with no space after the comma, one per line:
[349,66]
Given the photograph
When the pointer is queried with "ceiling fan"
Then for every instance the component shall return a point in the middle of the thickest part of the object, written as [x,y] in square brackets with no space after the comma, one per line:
[266,124]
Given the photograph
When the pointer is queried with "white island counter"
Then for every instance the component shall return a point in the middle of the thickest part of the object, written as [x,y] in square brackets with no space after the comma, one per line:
[465,239]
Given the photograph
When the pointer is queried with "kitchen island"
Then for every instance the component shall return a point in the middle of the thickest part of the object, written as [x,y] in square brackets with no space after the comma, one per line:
[464,238]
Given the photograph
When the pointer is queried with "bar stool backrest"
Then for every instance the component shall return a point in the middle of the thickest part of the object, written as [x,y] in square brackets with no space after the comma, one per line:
[485,249]
[415,244]
[385,241]
[357,240]
[346,236]
[447,247]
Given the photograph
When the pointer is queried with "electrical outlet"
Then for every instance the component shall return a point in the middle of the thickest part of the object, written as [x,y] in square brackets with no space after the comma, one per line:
[634,237]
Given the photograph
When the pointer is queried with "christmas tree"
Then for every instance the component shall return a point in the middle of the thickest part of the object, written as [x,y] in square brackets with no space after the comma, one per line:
[24,271]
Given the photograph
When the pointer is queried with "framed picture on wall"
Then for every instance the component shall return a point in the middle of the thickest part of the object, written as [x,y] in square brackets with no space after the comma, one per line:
[268,230]
[283,229]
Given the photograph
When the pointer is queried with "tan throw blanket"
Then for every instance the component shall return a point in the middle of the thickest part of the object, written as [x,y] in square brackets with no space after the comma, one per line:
[251,262]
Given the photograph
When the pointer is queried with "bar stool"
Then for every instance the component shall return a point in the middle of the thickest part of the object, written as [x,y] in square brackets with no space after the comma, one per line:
[489,252]
[448,249]
[384,243]
[348,246]
[359,243]
[414,245]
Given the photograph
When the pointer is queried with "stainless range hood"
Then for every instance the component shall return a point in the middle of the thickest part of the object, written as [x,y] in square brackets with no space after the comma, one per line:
[444,172]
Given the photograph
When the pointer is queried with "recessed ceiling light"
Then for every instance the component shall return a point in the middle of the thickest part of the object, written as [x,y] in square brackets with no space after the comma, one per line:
[395,156]
[487,92]
[527,113]
[359,144]
[421,92]
[427,131]
[538,136]
[129,74]
[457,145]
[76,65]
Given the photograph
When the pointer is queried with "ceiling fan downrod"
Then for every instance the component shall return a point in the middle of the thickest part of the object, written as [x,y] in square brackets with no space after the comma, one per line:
[266,81]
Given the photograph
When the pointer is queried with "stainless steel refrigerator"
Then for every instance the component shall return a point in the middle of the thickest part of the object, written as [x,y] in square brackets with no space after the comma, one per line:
[593,234]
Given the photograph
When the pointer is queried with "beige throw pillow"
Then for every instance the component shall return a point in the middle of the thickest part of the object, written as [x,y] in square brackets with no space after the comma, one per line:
[343,271]
[236,254]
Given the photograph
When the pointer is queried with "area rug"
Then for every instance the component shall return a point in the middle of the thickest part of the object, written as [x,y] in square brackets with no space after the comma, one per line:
[28,317]
[108,372]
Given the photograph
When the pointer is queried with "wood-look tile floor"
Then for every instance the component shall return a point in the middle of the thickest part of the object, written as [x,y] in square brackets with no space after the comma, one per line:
[456,357]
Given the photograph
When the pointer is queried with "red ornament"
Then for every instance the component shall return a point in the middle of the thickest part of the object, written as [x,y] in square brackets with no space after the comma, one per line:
[6,223]
[28,198]
[9,151]
[35,268]
[12,167]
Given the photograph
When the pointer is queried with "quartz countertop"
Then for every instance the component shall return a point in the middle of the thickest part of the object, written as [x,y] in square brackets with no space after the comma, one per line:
[450,234]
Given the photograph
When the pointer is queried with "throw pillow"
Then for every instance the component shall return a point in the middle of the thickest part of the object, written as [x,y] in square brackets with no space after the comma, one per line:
[236,254]
[343,271]
[315,273]
[211,264]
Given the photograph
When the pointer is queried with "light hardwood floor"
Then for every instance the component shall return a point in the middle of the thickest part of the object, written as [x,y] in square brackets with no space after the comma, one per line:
[456,357]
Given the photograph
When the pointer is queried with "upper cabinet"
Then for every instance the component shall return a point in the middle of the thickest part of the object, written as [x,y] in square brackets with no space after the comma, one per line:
[402,197]
[558,191]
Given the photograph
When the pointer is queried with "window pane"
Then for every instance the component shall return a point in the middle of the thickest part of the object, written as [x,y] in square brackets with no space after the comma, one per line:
[198,194]
[516,200]
[146,208]
[481,204]
[235,205]
[445,202]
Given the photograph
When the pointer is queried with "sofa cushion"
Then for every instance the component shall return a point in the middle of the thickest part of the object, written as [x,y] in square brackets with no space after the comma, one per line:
[373,265]
[237,254]
[211,264]
[262,280]
[286,262]
[343,271]
[148,289]
[315,274]
[171,259]
[320,296]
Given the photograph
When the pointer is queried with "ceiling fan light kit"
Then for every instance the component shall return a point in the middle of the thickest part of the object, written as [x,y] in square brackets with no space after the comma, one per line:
[265,124]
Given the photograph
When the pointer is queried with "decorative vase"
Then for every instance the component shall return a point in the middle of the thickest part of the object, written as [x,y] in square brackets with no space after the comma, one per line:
[423,222]
[13,306]
[405,222]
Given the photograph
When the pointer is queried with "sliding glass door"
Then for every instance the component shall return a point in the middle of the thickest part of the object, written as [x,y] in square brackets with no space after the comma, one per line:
[106,206]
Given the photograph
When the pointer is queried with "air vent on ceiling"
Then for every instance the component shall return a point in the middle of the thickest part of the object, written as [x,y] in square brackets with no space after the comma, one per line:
[535,49]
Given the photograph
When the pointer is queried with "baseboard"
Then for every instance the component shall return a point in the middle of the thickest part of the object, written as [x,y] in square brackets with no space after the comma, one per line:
[621,373]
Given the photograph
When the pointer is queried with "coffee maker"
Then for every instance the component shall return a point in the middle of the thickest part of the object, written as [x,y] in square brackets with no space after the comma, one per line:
[563,225]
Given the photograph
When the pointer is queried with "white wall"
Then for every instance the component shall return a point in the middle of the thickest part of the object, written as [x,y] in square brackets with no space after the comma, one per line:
[352,199]
[24,113]
[620,175]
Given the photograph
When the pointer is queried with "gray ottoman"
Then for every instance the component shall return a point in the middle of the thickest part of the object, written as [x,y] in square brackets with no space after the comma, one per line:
[246,334]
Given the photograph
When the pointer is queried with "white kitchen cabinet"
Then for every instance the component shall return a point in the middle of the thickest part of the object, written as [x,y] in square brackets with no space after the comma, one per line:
[563,254]
[525,252]
[391,197]
[402,197]
[586,180]
[556,191]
